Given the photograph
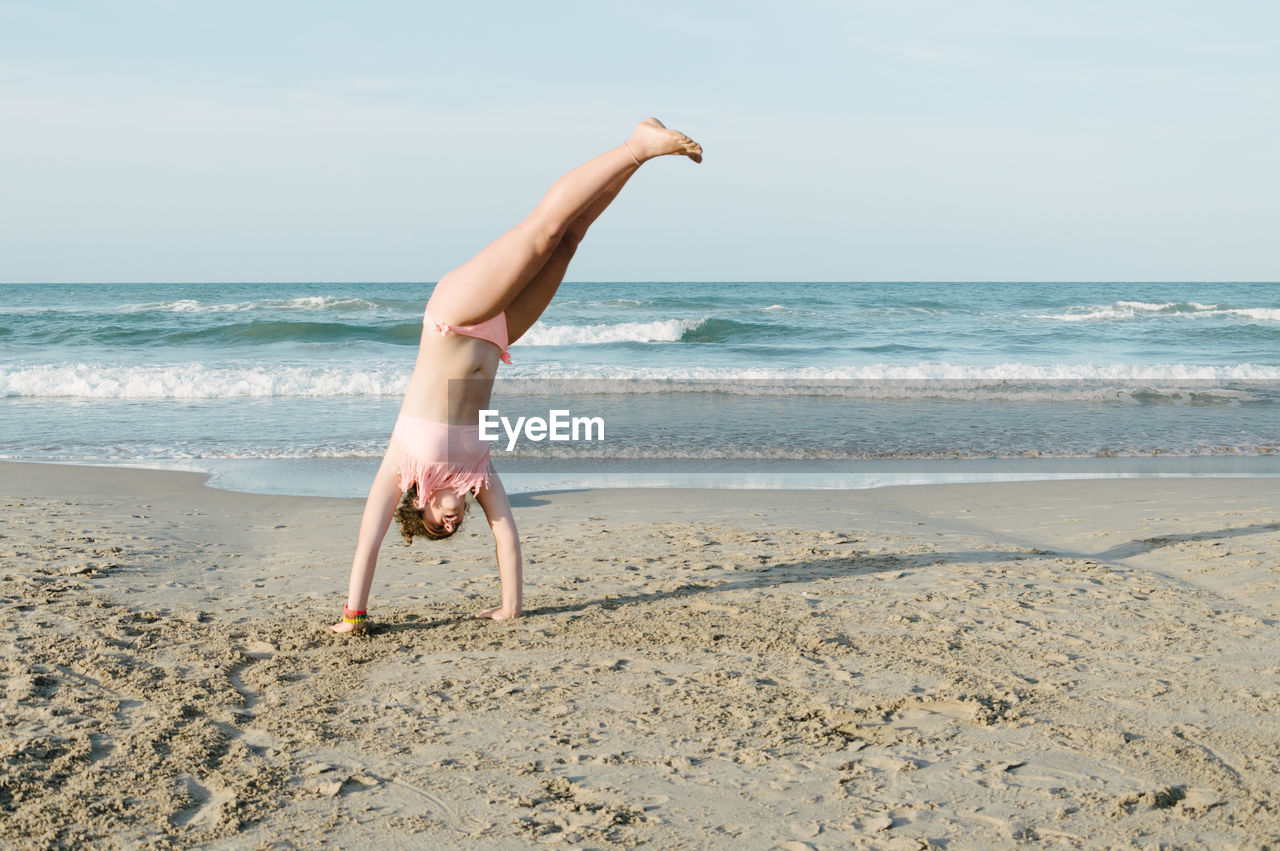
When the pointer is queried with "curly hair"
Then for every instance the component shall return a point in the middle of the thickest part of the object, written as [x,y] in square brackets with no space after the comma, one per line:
[409,517]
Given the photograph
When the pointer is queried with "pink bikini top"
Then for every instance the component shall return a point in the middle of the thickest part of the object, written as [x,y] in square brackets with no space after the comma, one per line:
[440,456]
[491,330]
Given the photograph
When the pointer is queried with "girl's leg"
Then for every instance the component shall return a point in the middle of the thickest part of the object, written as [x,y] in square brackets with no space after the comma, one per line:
[529,304]
[484,285]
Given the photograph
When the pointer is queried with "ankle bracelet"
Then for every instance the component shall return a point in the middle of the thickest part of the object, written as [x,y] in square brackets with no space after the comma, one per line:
[353,617]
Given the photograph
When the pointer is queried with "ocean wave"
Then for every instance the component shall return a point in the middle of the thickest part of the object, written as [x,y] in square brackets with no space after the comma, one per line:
[937,371]
[1267,314]
[314,302]
[1137,309]
[1170,384]
[937,380]
[732,331]
[98,454]
[1133,393]
[618,452]
[660,331]
[267,331]
[251,332]
[191,305]
[196,381]
[569,452]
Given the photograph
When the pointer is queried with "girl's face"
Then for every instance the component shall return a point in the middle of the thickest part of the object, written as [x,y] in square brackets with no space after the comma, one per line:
[443,512]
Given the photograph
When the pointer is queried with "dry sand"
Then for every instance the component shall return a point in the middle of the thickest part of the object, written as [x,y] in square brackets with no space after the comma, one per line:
[1057,663]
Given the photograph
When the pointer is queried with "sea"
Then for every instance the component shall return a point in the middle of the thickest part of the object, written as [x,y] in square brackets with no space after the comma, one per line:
[293,388]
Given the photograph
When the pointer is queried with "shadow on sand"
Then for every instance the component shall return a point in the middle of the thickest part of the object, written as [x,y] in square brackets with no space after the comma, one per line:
[775,575]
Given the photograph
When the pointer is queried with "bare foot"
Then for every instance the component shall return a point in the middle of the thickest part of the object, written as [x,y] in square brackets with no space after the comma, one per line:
[653,139]
[498,613]
[343,626]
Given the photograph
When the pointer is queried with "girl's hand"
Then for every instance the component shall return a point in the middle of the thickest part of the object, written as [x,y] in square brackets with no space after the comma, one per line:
[498,613]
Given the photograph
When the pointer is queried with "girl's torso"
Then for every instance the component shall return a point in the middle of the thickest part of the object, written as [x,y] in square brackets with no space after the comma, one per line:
[453,377]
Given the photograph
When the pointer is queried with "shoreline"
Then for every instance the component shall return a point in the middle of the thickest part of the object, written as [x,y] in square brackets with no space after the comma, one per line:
[1107,509]
[988,664]
[348,478]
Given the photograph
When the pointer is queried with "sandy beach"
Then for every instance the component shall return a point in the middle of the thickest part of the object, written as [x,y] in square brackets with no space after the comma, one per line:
[1073,663]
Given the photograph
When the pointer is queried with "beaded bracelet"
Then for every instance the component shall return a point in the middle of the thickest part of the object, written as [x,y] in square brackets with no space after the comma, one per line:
[353,617]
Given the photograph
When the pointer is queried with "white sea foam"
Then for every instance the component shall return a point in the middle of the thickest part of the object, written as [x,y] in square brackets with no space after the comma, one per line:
[924,371]
[661,331]
[1011,380]
[196,381]
[623,452]
[1137,309]
[1145,306]
[620,452]
[1267,314]
[318,302]
[188,305]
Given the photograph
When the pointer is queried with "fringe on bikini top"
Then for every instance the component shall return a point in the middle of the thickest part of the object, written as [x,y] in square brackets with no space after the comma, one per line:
[440,456]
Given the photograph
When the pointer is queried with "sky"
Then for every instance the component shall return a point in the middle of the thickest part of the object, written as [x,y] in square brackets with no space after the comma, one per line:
[162,140]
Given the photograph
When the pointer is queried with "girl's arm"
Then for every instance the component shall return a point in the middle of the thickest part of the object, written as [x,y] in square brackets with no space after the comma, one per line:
[379,508]
[497,510]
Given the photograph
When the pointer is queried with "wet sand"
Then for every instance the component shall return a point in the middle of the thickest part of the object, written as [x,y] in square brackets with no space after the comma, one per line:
[1072,662]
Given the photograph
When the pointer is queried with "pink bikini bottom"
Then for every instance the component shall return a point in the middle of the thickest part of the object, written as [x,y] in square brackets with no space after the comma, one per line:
[491,330]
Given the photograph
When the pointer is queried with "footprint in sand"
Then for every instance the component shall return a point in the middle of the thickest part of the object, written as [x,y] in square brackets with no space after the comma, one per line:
[206,806]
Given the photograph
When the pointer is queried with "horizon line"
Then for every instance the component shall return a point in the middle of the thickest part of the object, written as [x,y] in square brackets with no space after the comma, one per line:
[690,281]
